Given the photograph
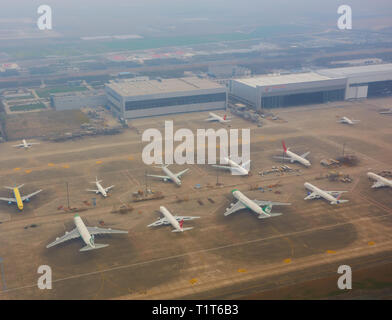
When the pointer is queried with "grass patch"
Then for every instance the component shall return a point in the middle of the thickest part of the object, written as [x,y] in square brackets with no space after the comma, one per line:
[45,93]
[19,98]
[28,107]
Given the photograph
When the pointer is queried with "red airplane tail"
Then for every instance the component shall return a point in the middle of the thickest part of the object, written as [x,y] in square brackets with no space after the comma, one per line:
[224,118]
[181,223]
[284,146]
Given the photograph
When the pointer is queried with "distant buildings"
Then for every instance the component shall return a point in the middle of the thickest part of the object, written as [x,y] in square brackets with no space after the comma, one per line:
[78,100]
[228,71]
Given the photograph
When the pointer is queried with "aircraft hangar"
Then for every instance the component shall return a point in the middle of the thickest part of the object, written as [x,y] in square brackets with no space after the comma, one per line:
[132,99]
[319,86]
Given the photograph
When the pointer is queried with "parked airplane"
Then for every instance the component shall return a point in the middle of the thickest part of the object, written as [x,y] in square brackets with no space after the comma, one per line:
[100,189]
[25,144]
[332,196]
[176,221]
[215,117]
[18,199]
[386,111]
[380,181]
[235,168]
[175,177]
[348,121]
[86,233]
[292,157]
[261,207]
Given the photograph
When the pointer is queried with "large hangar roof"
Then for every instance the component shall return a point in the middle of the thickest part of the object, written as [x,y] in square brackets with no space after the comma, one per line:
[128,88]
[272,80]
[357,70]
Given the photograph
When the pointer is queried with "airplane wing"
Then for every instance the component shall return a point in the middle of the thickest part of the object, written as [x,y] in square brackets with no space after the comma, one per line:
[18,145]
[335,193]
[271,203]
[30,195]
[108,188]
[178,175]
[283,158]
[159,222]
[68,236]
[8,199]
[185,218]
[378,184]
[305,154]
[97,230]
[237,206]
[222,167]
[246,165]
[312,195]
[156,176]
[96,191]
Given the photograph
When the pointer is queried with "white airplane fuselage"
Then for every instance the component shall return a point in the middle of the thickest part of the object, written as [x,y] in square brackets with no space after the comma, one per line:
[320,192]
[217,118]
[85,235]
[247,202]
[379,178]
[170,218]
[237,166]
[25,145]
[297,158]
[170,174]
[347,120]
[101,189]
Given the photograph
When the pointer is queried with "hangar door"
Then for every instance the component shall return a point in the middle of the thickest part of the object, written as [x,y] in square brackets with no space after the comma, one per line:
[357,92]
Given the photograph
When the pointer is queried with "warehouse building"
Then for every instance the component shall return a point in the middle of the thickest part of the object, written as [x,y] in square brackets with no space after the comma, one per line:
[78,100]
[132,99]
[320,86]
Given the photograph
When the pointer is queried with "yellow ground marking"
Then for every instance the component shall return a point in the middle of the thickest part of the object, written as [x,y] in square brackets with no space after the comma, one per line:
[287,260]
[28,171]
[331,251]
[66,166]
[130,158]
[16,169]
[50,164]
[371,243]
[98,162]
[241,270]
[193,281]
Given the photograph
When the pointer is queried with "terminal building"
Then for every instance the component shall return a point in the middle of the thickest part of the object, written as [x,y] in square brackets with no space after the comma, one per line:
[320,86]
[130,98]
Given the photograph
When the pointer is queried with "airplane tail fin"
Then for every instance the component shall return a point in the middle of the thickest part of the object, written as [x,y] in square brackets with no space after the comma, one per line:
[270,215]
[224,117]
[97,246]
[284,146]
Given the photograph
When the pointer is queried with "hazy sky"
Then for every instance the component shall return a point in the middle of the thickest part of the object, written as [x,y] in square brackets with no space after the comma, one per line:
[99,17]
